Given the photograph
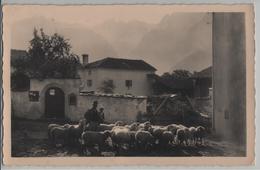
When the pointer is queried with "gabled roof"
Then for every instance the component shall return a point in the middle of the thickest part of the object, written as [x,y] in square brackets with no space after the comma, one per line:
[205,73]
[120,63]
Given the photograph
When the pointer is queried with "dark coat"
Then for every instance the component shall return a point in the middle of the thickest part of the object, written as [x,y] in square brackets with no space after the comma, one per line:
[93,115]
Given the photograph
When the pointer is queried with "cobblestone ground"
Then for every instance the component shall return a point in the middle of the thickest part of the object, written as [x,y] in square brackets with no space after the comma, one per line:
[29,139]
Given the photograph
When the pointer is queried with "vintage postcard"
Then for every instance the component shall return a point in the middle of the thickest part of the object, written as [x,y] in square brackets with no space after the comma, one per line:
[103,85]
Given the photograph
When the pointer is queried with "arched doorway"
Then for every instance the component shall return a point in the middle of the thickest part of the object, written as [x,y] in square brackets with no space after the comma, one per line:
[54,103]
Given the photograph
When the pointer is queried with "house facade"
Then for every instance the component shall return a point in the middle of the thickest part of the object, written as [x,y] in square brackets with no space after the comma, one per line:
[61,98]
[127,76]
[70,98]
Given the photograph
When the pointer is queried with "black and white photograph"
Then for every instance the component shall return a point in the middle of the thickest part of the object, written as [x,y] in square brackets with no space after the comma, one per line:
[127,81]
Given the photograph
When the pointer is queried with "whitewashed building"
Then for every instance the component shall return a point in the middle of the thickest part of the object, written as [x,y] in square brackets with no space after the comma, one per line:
[127,76]
[71,98]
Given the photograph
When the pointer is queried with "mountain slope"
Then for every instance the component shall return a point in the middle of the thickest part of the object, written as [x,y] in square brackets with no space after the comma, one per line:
[194,62]
[123,36]
[179,40]
[176,37]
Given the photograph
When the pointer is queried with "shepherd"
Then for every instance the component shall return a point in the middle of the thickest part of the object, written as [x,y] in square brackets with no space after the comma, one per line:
[92,117]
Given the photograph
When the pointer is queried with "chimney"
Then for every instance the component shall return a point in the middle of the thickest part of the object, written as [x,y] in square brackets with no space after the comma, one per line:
[84,59]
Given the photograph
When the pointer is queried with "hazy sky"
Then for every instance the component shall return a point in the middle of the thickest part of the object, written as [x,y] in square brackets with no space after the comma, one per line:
[94,14]
[157,34]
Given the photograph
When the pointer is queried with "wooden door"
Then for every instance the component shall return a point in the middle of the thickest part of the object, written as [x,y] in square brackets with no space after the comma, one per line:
[54,103]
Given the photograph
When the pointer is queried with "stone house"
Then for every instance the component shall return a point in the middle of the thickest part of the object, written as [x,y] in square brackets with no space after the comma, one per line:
[70,98]
[127,76]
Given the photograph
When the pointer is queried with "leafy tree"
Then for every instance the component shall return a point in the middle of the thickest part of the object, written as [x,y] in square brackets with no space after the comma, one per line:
[50,56]
[107,86]
[19,81]
[21,63]
[181,74]
[166,75]
[177,75]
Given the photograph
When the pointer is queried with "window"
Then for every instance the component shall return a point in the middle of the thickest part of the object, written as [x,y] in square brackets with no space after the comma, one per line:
[107,86]
[128,83]
[89,83]
[89,72]
[72,100]
[34,96]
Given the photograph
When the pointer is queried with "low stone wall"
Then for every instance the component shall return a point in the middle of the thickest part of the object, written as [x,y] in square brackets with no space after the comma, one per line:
[23,108]
[115,108]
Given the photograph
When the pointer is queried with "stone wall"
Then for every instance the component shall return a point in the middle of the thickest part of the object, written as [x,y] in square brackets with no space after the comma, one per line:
[124,108]
[115,108]
[23,108]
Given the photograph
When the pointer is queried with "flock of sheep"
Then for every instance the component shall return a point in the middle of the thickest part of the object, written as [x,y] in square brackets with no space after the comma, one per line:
[143,136]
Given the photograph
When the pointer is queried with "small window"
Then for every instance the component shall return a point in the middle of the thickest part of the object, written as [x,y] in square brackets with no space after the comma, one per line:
[89,83]
[72,100]
[34,96]
[128,83]
[89,72]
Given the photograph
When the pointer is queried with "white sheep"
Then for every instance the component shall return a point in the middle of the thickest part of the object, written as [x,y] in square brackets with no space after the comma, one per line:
[103,127]
[75,132]
[133,127]
[92,138]
[115,128]
[59,135]
[82,123]
[180,137]
[144,139]
[145,126]
[200,134]
[192,131]
[122,136]
[157,131]
[173,128]
[180,126]
[188,136]
[50,126]
[119,123]
[167,138]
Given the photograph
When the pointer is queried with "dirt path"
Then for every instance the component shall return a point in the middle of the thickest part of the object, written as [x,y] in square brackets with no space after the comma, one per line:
[29,139]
